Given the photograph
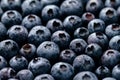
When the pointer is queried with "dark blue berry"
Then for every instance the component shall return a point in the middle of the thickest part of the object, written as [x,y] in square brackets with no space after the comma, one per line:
[39,66]
[62,71]
[25,75]
[83,63]
[11,17]
[39,34]
[30,21]
[18,62]
[49,50]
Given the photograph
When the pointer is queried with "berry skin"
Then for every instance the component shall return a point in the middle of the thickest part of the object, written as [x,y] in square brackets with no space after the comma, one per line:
[62,71]
[54,25]
[108,15]
[28,51]
[81,32]
[116,72]
[94,6]
[87,17]
[50,2]
[12,79]
[38,34]
[31,7]
[3,31]
[112,30]
[50,12]
[39,66]
[25,75]
[71,7]
[96,25]
[83,63]
[7,73]
[44,77]
[71,23]
[18,63]
[48,50]
[110,58]
[109,78]
[94,50]
[114,42]
[62,38]
[102,72]
[8,48]
[67,56]
[78,45]
[10,18]
[1,12]
[85,75]
[30,21]
[11,5]
[112,3]
[3,62]
[18,33]
[98,38]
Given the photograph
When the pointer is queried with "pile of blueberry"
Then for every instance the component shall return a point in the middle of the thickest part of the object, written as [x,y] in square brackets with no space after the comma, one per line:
[60,40]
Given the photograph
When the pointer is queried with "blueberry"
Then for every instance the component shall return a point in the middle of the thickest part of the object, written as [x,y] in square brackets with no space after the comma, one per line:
[62,38]
[71,23]
[28,51]
[85,75]
[112,30]
[44,77]
[18,33]
[18,62]
[30,21]
[3,31]
[112,3]
[114,42]
[46,2]
[110,58]
[96,25]
[94,6]
[116,72]
[62,71]
[3,62]
[7,73]
[10,18]
[81,32]
[67,56]
[49,50]
[38,34]
[87,17]
[25,75]
[39,66]
[31,7]
[83,63]
[94,50]
[71,7]
[11,5]
[50,12]
[54,25]
[8,48]
[109,78]
[108,15]
[78,45]
[99,38]
[102,72]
